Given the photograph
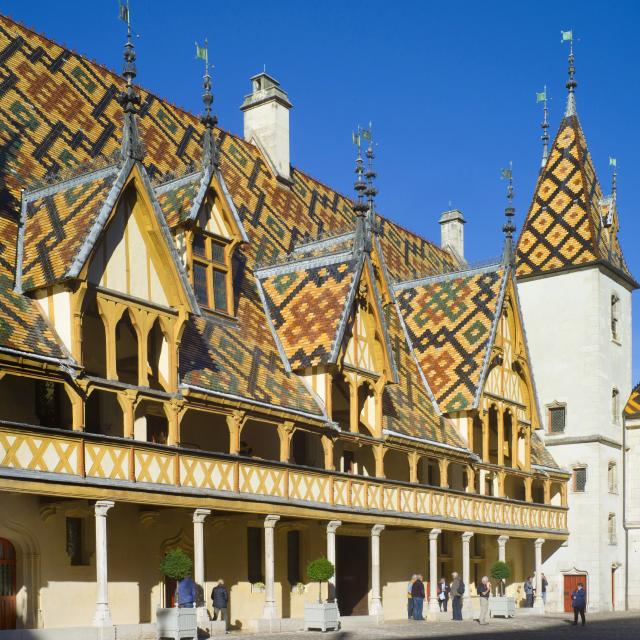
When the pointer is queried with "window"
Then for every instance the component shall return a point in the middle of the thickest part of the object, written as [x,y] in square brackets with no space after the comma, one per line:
[615,317]
[615,406]
[75,542]
[557,419]
[210,271]
[611,529]
[579,479]
[254,555]
[612,474]
[293,557]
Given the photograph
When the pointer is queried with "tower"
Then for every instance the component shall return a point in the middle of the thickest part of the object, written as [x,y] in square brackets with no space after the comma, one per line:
[575,290]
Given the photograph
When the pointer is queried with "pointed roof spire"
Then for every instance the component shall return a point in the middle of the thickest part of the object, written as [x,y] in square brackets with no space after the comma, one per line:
[360,207]
[129,99]
[210,151]
[567,36]
[542,97]
[614,176]
[371,190]
[508,255]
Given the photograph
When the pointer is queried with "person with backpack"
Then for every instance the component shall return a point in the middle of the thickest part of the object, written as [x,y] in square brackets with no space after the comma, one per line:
[417,594]
[579,603]
[457,591]
[484,591]
[220,601]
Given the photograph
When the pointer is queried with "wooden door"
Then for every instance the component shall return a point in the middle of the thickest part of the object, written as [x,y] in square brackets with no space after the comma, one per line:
[352,575]
[570,585]
[7,585]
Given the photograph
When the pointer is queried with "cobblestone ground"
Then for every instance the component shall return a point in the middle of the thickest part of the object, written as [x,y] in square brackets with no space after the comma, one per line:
[606,626]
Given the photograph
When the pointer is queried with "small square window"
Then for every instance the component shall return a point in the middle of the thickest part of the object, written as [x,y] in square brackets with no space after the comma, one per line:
[557,419]
[199,246]
[580,479]
[217,252]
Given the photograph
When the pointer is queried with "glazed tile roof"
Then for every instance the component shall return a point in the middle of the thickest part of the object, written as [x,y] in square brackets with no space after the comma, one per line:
[540,454]
[56,222]
[449,322]
[176,197]
[307,305]
[632,408]
[564,226]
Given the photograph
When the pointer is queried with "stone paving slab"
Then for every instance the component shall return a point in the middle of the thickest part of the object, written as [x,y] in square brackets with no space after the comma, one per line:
[606,626]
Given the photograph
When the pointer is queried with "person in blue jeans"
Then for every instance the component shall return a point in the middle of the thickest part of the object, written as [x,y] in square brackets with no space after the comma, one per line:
[417,595]
[186,592]
[579,602]
[414,577]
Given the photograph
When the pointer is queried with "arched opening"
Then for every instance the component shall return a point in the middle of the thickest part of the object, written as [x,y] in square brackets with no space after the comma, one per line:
[205,431]
[103,414]
[7,585]
[157,358]
[477,435]
[94,342]
[556,494]
[126,350]
[508,442]
[340,402]
[457,476]
[151,424]
[493,435]
[489,483]
[354,459]
[306,449]
[260,440]
[514,487]
[41,402]
[428,472]
[396,465]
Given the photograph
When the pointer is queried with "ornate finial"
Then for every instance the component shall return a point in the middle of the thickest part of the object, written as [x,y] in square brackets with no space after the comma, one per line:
[129,99]
[508,228]
[614,176]
[360,207]
[567,36]
[542,97]
[210,150]
[370,191]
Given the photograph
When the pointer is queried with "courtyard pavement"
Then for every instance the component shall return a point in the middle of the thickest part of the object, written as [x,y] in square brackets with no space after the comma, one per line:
[604,626]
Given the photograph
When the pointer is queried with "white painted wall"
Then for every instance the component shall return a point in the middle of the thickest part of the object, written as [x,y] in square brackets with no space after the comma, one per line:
[269,123]
[575,361]
[633,511]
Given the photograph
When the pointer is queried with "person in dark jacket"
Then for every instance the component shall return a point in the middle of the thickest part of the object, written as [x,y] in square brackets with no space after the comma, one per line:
[545,584]
[457,591]
[579,602]
[443,594]
[186,592]
[417,594]
[220,601]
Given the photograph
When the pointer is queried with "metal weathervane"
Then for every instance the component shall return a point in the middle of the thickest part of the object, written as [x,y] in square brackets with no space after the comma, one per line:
[542,97]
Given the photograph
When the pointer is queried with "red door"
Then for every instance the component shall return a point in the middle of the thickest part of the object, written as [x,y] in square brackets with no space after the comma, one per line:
[570,585]
[7,585]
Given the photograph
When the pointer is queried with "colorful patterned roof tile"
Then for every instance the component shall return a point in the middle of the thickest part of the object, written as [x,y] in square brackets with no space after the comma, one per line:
[307,306]
[540,454]
[449,322]
[176,198]
[564,227]
[56,223]
[632,408]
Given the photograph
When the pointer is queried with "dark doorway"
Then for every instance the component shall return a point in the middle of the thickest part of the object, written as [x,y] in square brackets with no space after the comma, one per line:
[352,575]
[7,585]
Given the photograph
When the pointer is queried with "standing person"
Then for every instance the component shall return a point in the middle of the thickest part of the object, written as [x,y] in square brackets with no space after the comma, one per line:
[443,594]
[457,591]
[544,583]
[528,592]
[414,577]
[417,594]
[484,591]
[186,593]
[220,601]
[579,602]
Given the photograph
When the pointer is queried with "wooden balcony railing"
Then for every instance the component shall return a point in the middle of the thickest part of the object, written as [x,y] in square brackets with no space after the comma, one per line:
[123,461]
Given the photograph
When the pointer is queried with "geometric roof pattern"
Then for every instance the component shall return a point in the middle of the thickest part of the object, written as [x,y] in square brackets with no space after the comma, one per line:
[449,322]
[632,408]
[307,306]
[176,198]
[564,226]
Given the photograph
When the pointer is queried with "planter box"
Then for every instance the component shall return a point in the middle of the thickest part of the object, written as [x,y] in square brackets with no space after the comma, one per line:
[322,616]
[502,606]
[177,623]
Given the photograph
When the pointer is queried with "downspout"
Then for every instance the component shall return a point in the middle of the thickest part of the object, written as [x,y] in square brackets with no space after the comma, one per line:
[624,512]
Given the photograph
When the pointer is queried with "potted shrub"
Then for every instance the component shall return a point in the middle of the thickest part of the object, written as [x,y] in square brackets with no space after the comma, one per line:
[501,605]
[320,615]
[177,622]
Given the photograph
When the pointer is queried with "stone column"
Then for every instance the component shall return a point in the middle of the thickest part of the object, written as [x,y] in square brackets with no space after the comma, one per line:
[270,607]
[102,616]
[467,612]
[538,603]
[433,570]
[199,516]
[502,553]
[376,598]
[500,416]
[331,555]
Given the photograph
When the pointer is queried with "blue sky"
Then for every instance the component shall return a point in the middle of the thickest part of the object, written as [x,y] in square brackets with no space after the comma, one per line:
[450,88]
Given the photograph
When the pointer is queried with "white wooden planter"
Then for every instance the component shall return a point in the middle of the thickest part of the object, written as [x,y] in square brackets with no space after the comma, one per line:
[177,623]
[322,616]
[502,606]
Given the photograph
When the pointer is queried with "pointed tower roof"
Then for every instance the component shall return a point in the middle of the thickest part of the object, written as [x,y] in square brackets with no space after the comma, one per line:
[564,228]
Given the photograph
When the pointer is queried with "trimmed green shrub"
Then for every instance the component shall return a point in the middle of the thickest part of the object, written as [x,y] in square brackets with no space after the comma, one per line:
[320,570]
[176,564]
[500,571]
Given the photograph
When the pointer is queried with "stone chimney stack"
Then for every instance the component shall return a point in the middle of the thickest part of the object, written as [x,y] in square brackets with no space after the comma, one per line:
[266,121]
[452,231]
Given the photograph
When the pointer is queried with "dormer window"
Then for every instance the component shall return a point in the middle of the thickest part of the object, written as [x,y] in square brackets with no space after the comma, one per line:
[211,271]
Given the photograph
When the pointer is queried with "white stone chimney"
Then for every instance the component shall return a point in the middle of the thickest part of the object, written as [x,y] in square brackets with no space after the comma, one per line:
[452,231]
[266,121]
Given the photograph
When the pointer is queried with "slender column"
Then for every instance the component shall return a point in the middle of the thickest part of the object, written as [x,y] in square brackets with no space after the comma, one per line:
[485,437]
[539,602]
[199,516]
[500,416]
[471,480]
[376,598]
[235,422]
[127,400]
[378,455]
[413,466]
[270,607]
[443,463]
[514,443]
[331,554]
[102,616]
[527,448]
[354,415]
[172,411]
[285,433]
[528,482]
[467,612]
[327,447]
[433,570]
[547,491]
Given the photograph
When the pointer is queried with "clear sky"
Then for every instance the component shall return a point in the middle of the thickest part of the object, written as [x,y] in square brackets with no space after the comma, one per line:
[450,88]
